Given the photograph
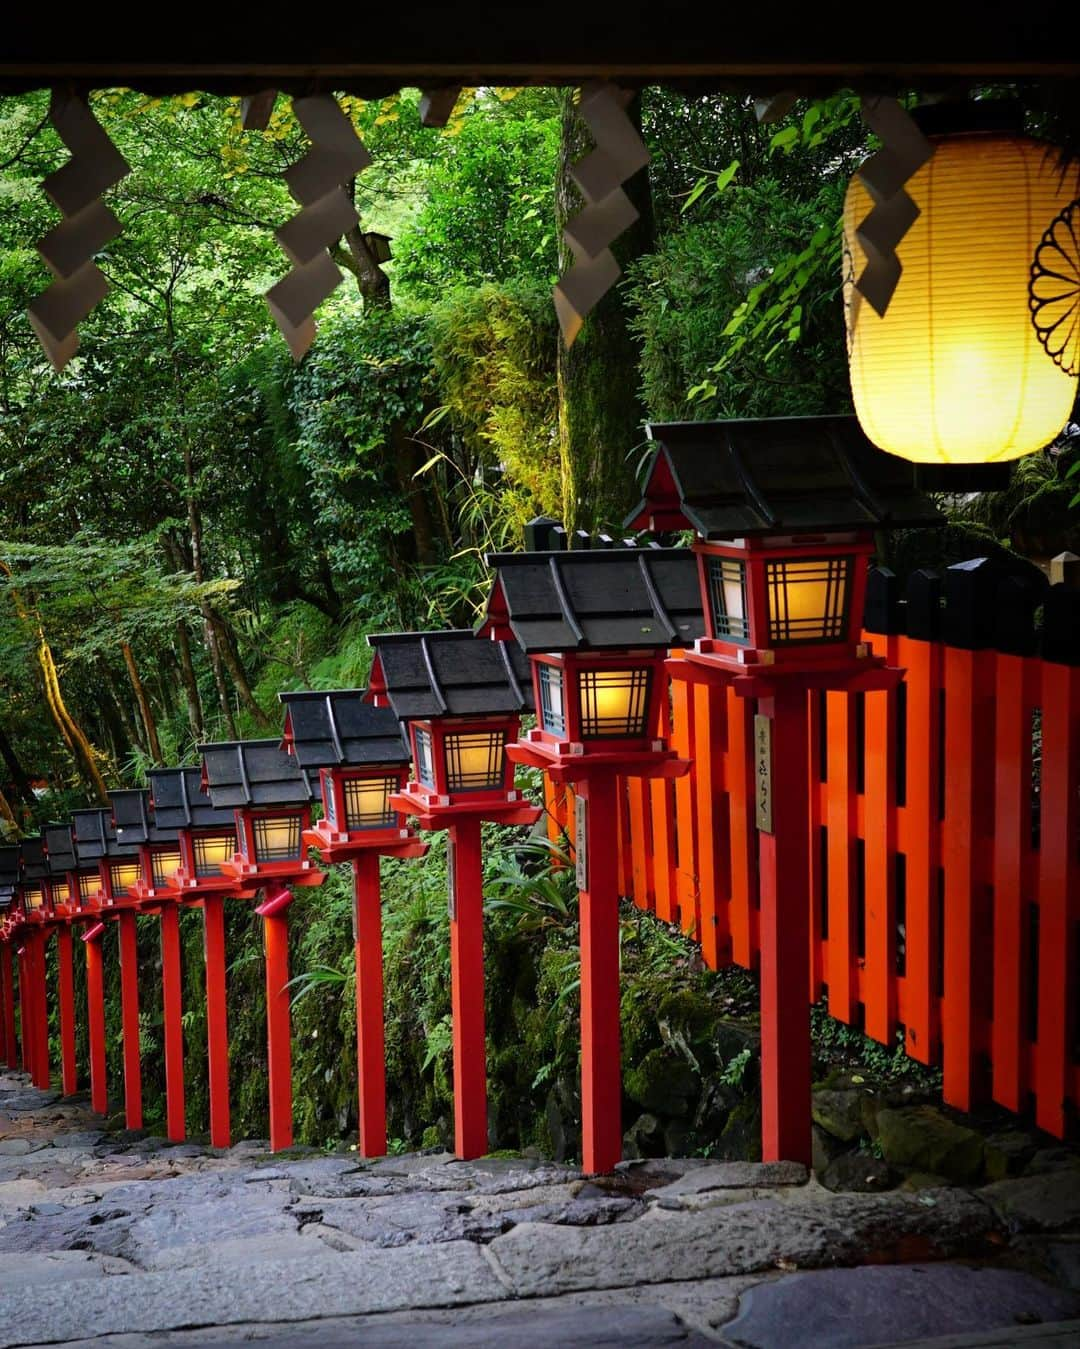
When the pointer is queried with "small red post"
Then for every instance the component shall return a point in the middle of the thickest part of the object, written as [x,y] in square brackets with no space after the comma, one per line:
[10,1038]
[217,1020]
[129,1010]
[601,1065]
[784,855]
[5,976]
[95,1021]
[40,1023]
[67,1010]
[370,1040]
[467,990]
[278,1046]
[26,1039]
[172,1011]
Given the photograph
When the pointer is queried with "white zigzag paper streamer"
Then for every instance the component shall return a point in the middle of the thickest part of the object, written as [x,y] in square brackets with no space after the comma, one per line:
[619,153]
[336,155]
[88,225]
[904,150]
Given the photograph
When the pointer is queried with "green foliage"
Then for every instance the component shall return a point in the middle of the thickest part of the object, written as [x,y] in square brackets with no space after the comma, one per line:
[494,355]
[719,338]
[485,215]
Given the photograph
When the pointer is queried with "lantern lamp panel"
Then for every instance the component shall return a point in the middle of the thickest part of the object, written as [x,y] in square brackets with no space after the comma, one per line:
[33,898]
[552,699]
[277,838]
[211,852]
[808,599]
[474,760]
[614,703]
[122,876]
[367,802]
[61,892]
[164,866]
[727,598]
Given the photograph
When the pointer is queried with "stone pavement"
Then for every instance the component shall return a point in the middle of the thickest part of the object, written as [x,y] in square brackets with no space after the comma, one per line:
[125,1240]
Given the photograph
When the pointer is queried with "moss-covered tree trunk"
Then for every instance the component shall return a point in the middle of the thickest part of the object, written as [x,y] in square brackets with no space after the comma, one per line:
[600,414]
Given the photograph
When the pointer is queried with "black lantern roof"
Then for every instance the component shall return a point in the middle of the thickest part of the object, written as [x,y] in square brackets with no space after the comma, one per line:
[135,820]
[340,729]
[9,875]
[32,864]
[596,601]
[242,773]
[450,674]
[776,475]
[95,837]
[9,866]
[60,848]
[181,803]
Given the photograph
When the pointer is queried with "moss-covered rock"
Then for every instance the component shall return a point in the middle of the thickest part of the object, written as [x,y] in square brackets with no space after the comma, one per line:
[662,1082]
[839,1113]
[924,1139]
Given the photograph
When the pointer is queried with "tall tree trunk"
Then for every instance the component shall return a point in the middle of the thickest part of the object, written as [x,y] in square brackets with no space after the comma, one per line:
[191,684]
[19,778]
[143,704]
[69,728]
[231,657]
[70,731]
[8,816]
[131,732]
[408,459]
[600,413]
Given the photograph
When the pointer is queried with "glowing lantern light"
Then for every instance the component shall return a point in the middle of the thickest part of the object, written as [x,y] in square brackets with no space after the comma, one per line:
[977,356]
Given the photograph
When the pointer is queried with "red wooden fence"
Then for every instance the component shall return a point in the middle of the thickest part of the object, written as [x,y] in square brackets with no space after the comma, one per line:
[946,889]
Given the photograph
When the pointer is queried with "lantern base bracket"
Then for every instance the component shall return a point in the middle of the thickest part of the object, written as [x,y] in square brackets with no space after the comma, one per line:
[382,842]
[438,813]
[866,674]
[562,768]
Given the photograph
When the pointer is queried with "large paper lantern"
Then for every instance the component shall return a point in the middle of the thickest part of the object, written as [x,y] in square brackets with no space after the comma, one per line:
[977,355]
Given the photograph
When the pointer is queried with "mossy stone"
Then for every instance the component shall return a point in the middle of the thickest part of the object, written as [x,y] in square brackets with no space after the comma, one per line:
[924,1139]
[662,1082]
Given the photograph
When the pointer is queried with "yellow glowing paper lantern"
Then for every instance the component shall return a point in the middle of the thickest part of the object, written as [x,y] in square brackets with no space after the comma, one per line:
[977,356]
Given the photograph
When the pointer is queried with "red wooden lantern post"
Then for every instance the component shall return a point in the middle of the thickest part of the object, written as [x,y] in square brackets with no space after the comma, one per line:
[785,512]
[64,898]
[461,701]
[37,914]
[9,879]
[597,627]
[159,860]
[118,873]
[206,840]
[271,799]
[9,932]
[362,761]
[81,887]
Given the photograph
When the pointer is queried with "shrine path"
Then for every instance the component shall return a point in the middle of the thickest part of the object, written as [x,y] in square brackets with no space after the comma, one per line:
[124,1240]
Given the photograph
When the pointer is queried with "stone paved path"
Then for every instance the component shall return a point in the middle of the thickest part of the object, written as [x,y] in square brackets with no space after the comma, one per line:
[124,1240]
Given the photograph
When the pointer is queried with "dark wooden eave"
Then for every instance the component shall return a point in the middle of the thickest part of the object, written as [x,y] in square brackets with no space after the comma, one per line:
[372,53]
[96,838]
[776,475]
[135,820]
[180,802]
[597,600]
[254,773]
[450,674]
[60,848]
[339,729]
[32,864]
